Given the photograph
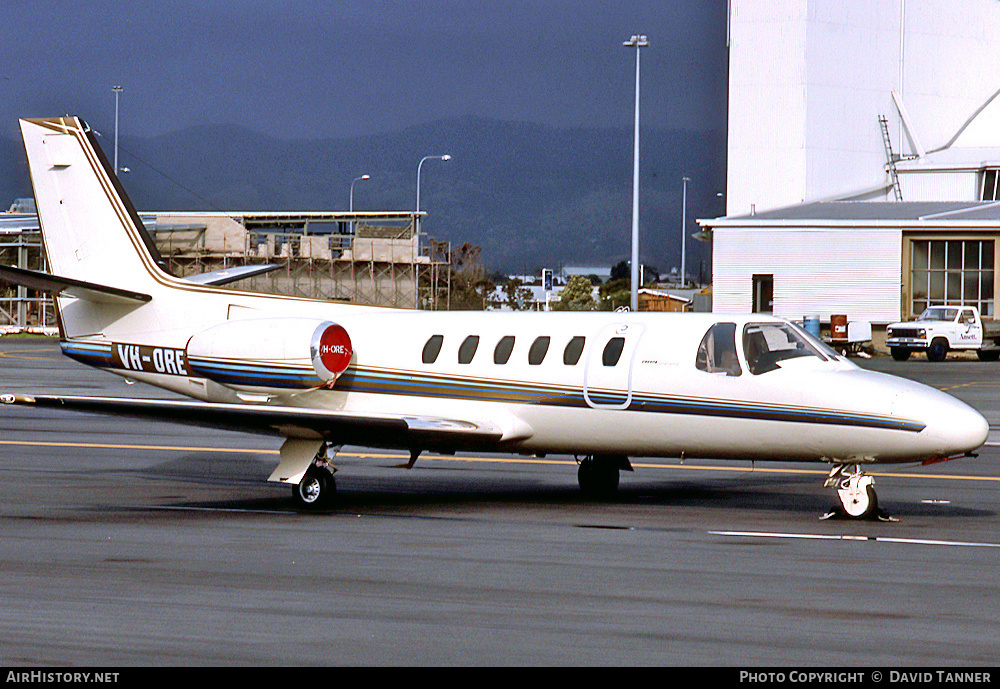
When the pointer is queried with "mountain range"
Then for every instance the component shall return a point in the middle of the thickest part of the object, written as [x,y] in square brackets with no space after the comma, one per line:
[530,195]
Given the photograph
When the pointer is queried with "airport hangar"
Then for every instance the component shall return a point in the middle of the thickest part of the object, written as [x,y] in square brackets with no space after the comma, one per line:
[872,261]
[862,162]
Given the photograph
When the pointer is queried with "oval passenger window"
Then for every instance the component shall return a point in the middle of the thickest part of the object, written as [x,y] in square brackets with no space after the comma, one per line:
[613,351]
[432,349]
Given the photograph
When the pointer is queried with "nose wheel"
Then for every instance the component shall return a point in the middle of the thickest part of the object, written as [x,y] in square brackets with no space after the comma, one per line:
[855,493]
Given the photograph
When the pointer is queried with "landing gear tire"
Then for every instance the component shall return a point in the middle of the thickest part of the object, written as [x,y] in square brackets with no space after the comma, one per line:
[315,490]
[856,495]
[598,477]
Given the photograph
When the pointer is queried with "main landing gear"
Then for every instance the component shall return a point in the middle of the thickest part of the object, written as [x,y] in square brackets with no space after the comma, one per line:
[855,493]
[317,487]
[598,474]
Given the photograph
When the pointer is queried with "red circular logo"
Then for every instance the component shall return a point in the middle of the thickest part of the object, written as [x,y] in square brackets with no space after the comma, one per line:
[335,349]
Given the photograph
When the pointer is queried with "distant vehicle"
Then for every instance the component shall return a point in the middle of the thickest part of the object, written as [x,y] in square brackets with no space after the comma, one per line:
[940,329]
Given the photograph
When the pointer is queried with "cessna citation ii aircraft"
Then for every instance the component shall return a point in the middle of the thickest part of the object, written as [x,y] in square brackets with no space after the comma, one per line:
[600,386]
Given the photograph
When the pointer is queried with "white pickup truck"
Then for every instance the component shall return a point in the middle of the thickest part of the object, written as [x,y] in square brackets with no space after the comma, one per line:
[942,328]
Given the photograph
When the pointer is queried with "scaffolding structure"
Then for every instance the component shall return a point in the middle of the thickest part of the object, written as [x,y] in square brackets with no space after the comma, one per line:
[21,246]
[374,258]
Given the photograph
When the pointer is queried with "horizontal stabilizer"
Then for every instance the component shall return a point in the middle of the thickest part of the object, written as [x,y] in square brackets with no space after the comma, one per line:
[227,275]
[347,428]
[52,284]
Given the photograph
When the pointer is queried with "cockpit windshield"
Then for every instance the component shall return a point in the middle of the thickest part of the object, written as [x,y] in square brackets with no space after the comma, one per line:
[938,313]
[765,345]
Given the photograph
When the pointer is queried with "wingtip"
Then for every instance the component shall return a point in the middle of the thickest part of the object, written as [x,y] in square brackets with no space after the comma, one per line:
[16,399]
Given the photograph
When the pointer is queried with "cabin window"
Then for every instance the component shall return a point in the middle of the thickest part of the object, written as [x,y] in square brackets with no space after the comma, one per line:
[432,349]
[717,351]
[613,351]
[538,349]
[501,355]
[766,345]
[468,349]
[571,355]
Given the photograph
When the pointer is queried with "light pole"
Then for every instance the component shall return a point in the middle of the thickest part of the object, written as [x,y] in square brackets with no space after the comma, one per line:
[420,165]
[416,227]
[117,90]
[356,179]
[684,215]
[416,218]
[636,42]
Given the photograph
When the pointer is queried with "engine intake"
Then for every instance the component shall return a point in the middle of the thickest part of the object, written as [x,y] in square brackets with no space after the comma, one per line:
[271,352]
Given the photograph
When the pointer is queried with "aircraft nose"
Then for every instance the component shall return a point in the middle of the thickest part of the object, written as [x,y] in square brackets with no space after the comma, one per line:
[952,426]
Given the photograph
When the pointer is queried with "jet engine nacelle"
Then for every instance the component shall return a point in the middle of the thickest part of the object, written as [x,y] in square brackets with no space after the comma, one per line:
[271,352]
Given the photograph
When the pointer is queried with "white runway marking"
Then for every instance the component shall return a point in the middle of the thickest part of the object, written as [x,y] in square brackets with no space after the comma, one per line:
[846,537]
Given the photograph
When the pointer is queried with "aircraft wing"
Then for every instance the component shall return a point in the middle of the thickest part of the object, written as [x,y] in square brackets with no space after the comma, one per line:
[341,427]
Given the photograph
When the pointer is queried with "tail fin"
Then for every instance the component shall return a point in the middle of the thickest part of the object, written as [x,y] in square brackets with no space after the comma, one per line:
[90,229]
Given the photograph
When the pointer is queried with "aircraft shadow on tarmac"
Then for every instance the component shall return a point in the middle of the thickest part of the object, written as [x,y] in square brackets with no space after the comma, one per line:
[389,488]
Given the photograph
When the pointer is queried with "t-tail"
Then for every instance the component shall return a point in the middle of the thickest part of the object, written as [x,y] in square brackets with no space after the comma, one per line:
[102,262]
[92,235]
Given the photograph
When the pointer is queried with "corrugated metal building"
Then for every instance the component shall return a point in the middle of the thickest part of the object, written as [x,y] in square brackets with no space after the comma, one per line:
[875,119]
[876,262]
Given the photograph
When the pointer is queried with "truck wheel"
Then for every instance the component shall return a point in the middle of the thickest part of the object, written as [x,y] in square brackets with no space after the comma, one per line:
[991,355]
[900,353]
[938,349]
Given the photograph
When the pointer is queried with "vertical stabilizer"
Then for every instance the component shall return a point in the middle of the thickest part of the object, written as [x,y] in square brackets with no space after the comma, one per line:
[90,230]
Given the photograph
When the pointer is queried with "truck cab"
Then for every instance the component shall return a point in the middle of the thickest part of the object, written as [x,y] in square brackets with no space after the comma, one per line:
[940,329]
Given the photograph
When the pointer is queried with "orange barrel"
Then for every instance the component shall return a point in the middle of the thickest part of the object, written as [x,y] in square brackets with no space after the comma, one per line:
[838,328]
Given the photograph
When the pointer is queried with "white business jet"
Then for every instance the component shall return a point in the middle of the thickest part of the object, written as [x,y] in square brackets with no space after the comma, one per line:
[600,386]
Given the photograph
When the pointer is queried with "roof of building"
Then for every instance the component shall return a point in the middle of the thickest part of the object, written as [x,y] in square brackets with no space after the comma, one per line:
[893,212]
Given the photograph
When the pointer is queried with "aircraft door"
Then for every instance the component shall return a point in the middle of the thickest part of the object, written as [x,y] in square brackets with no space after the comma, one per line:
[607,378]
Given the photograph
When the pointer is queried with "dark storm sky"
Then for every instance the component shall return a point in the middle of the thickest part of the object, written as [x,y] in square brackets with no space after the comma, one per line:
[313,69]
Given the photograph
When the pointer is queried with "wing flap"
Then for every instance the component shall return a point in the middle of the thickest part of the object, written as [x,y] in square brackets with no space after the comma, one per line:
[343,427]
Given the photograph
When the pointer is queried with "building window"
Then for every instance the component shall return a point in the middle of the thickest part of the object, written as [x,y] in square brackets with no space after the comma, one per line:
[763,294]
[954,271]
[990,185]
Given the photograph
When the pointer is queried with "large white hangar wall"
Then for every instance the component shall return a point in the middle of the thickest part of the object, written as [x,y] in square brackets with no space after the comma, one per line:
[808,80]
[816,271]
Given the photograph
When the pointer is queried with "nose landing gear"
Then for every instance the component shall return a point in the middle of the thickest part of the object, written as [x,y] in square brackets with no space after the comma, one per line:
[855,493]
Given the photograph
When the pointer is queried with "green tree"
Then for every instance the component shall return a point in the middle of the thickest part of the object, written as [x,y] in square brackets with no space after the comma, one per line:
[471,288]
[615,293]
[518,296]
[577,295]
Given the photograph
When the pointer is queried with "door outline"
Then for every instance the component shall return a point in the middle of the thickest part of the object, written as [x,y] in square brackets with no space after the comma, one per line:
[632,332]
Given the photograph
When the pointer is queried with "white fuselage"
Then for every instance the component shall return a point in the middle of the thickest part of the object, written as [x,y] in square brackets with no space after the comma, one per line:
[654,400]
